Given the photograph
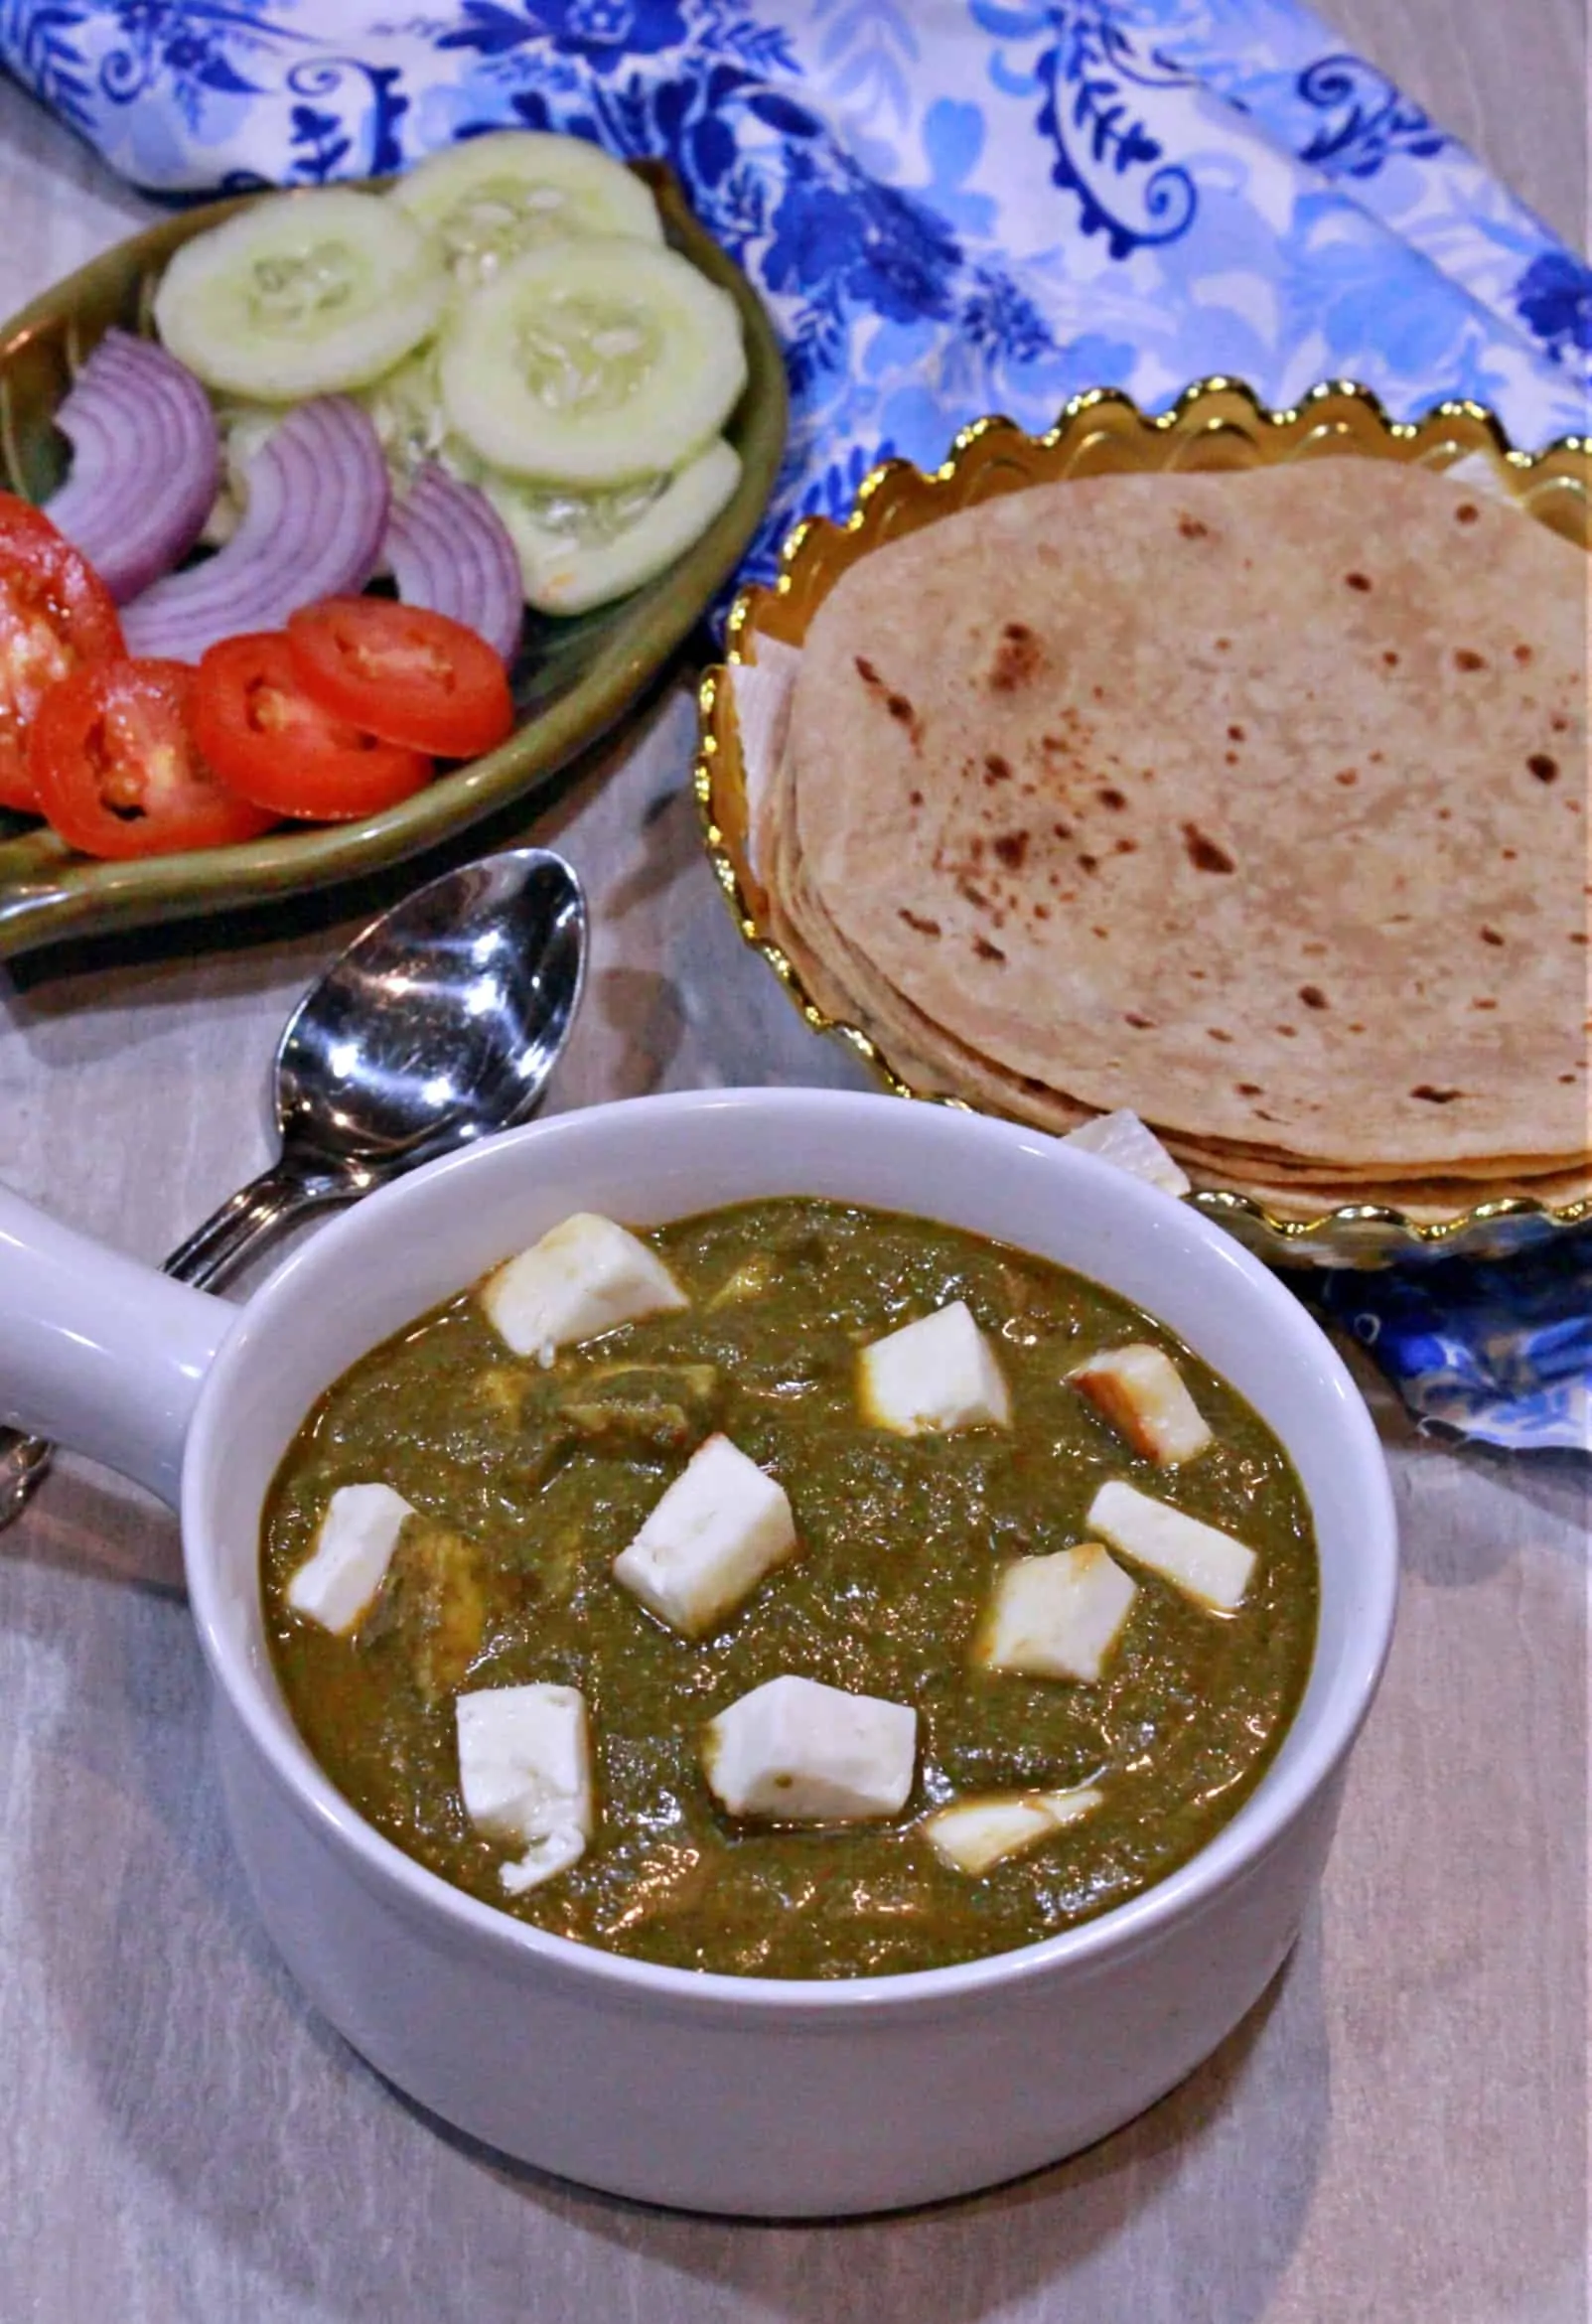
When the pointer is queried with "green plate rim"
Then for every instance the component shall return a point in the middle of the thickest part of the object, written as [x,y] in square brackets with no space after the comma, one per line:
[47,892]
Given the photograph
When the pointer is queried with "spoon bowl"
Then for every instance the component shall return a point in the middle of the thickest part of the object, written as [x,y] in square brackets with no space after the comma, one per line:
[439,1024]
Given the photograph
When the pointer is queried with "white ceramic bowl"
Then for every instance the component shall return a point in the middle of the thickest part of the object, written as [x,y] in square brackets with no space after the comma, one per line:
[718,2094]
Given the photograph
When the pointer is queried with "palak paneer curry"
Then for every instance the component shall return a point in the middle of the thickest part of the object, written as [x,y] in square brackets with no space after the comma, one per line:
[1036,1587]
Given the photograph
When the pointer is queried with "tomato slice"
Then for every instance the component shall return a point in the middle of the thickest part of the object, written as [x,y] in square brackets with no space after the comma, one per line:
[401,671]
[56,617]
[265,736]
[117,772]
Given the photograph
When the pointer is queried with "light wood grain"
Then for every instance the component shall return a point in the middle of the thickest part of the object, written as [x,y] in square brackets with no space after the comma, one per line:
[1395,2137]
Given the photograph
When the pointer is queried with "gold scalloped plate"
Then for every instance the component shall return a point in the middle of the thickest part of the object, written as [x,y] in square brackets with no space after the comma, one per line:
[572,679]
[1215,424]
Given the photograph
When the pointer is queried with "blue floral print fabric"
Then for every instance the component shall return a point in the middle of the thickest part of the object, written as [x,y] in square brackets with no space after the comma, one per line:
[954,207]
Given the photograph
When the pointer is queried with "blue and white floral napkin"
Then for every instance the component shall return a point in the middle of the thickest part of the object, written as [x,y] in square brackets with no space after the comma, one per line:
[954,207]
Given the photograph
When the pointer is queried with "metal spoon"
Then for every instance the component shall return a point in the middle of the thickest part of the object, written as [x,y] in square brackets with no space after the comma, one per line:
[439,1024]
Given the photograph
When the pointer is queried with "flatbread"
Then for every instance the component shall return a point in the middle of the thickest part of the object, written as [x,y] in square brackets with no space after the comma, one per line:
[1225,799]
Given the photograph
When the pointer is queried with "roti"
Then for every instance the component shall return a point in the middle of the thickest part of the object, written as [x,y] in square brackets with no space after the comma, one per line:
[1255,802]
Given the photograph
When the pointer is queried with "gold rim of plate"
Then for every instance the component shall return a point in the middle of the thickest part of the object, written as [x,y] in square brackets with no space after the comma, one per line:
[573,677]
[1217,423]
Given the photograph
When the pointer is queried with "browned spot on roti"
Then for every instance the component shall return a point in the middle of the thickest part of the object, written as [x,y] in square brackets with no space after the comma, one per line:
[1467,512]
[986,951]
[1203,851]
[928,927]
[1347,777]
[1019,657]
[1249,1089]
[1214,1033]
[866,671]
[1490,936]
[1523,655]
[1012,848]
[1234,734]
[1088,863]
[1313,996]
[1141,1024]
[996,768]
[1112,798]
[1191,526]
[1467,658]
[902,711]
[1433,1095]
[1360,581]
[1392,658]
[1546,769]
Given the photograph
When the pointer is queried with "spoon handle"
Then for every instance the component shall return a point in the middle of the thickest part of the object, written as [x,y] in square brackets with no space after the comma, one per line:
[212,1254]
[215,1252]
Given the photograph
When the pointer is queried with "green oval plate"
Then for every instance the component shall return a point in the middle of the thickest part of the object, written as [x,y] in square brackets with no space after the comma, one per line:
[572,680]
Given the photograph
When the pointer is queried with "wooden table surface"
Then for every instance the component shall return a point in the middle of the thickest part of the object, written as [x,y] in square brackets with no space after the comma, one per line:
[1396,2135]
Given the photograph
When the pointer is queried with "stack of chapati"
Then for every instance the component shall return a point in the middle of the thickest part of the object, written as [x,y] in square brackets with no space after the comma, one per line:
[1255,802]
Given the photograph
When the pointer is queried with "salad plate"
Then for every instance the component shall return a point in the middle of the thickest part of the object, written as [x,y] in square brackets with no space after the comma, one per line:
[572,680]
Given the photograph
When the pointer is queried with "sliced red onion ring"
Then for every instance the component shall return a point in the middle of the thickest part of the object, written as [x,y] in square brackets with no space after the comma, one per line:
[146,461]
[316,515]
[448,549]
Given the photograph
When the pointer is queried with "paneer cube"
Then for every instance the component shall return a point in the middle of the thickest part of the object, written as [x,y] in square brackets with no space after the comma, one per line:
[974,1835]
[804,1753]
[584,1277]
[441,1591]
[1203,1562]
[937,1373]
[354,1545]
[525,1776]
[1057,1617]
[1142,1393]
[722,1525]
[1123,1139]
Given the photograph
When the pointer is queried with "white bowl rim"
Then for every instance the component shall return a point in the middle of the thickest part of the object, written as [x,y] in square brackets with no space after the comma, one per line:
[1239,1844]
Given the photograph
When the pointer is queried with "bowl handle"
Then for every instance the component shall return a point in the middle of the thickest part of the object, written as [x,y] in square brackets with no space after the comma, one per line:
[98,1350]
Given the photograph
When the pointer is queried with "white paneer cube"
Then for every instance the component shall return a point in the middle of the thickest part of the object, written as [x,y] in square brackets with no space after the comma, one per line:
[354,1545]
[1203,1562]
[804,1753]
[972,1835]
[1057,1617]
[584,1277]
[525,1776]
[937,1373]
[1142,1393]
[1122,1138]
[722,1525]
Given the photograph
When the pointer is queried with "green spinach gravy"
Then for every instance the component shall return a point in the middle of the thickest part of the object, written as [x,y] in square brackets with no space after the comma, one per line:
[527,1481]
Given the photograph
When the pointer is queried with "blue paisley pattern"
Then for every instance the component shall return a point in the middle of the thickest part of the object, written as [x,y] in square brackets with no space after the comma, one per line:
[986,204]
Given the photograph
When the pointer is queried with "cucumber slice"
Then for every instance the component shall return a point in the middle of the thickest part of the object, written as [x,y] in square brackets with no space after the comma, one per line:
[411,425]
[592,362]
[243,428]
[580,550]
[493,197]
[301,294]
